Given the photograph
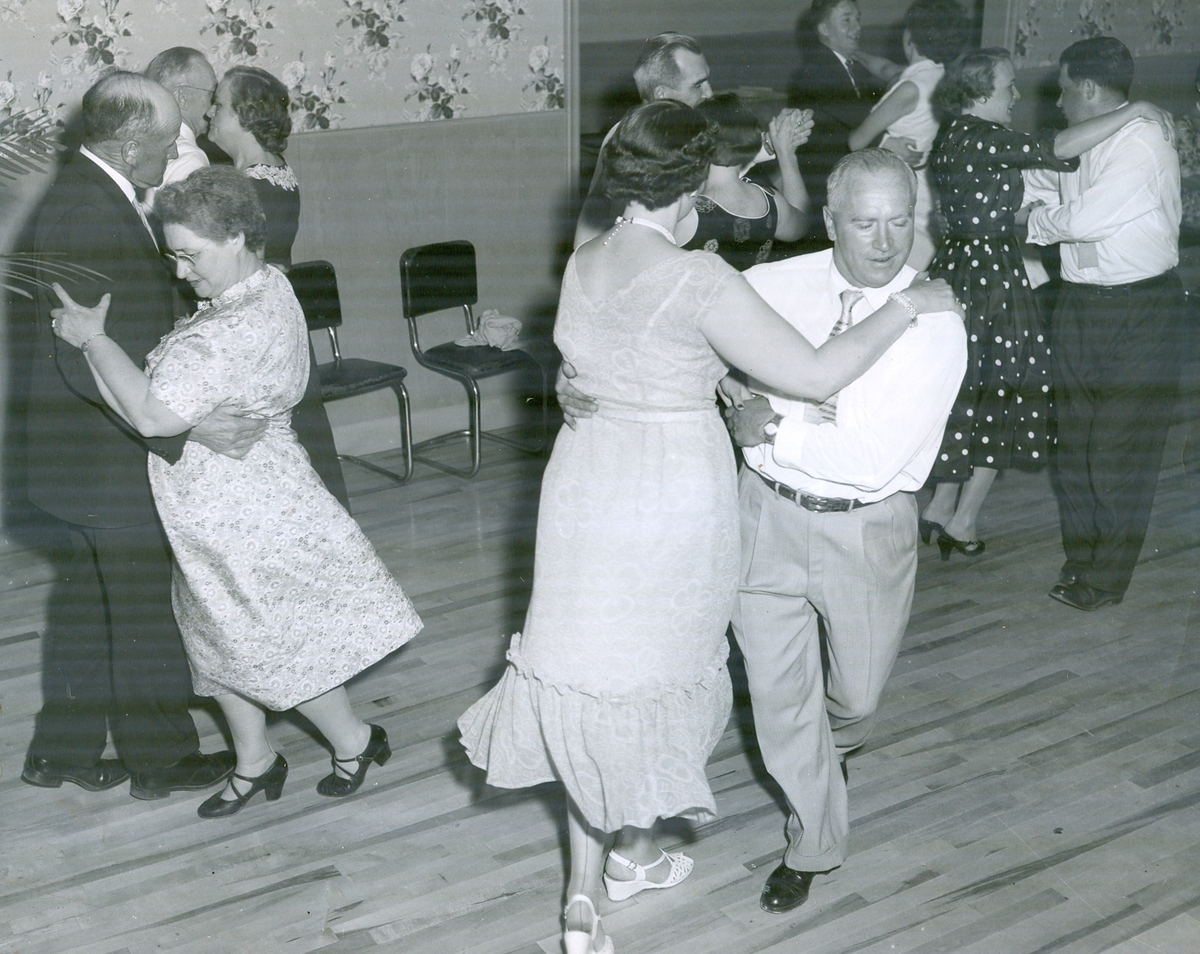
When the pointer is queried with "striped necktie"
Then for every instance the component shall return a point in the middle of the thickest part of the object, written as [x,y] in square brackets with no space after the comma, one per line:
[826,411]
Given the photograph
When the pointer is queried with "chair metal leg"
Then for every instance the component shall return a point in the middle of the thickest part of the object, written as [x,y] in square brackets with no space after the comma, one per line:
[405,440]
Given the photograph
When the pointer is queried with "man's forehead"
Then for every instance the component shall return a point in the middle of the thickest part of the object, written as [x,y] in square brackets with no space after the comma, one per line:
[693,65]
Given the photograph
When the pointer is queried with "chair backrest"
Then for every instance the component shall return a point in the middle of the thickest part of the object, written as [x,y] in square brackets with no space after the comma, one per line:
[315,284]
[439,276]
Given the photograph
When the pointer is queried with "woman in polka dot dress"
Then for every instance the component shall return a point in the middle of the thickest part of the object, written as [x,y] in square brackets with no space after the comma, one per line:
[1000,416]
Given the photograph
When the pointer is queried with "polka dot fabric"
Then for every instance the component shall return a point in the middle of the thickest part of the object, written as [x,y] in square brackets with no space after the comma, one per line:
[1000,416]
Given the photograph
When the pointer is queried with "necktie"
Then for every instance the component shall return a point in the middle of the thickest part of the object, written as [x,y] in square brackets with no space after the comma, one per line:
[145,221]
[853,82]
[826,411]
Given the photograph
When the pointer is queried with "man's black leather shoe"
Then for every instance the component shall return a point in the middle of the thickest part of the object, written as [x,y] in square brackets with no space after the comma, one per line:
[43,773]
[1084,596]
[785,889]
[1069,575]
[190,774]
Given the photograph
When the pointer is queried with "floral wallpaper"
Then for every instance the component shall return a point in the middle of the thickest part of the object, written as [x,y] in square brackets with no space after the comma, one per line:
[347,63]
[1147,27]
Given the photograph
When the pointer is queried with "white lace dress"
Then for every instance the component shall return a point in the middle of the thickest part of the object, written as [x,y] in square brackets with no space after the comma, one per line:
[278,594]
[618,685]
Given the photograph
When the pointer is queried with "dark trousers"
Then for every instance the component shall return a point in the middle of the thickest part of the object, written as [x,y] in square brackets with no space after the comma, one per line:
[113,655]
[1115,354]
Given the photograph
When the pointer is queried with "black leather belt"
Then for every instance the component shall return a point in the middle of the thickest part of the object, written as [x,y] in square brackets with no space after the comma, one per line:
[812,501]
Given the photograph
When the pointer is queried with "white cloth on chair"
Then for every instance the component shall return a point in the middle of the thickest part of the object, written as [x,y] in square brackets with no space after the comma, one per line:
[497,330]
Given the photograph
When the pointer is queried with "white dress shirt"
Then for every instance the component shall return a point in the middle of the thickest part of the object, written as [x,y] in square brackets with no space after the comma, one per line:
[890,422]
[191,157]
[1117,216]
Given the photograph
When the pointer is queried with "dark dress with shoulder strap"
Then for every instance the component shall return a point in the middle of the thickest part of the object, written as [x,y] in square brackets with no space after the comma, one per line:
[741,241]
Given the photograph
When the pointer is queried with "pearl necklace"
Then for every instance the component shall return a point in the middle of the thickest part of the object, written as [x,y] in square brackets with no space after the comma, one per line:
[638,220]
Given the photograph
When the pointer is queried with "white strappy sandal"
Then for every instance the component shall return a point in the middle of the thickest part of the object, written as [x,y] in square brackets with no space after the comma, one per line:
[580,942]
[681,867]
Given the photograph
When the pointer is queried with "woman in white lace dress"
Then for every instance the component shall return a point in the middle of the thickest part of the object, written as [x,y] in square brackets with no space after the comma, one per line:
[279,597]
[250,120]
[617,687]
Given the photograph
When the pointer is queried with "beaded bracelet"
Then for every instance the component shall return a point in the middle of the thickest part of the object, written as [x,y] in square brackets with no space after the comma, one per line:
[906,303]
[84,347]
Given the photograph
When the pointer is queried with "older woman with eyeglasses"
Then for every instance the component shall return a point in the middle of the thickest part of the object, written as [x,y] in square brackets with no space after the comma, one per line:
[279,596]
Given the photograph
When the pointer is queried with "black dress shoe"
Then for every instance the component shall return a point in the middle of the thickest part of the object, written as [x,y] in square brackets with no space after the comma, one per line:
[340,782]
[1083,595]
[190,774]
[43,773]
[270,782]
[1070,573]
[785,889]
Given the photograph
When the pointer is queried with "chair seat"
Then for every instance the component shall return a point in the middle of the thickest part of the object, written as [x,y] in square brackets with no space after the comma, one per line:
[356,376]
[480,361]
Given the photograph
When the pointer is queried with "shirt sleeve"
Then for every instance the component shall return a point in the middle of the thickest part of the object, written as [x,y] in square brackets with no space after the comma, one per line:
[1123,187]
[870,457]
[1014,148]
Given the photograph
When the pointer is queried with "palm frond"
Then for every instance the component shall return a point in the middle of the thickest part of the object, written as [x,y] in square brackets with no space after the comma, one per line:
[20,272]
[28,142]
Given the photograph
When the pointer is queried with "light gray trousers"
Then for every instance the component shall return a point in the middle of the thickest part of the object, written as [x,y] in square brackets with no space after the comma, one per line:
[856,571]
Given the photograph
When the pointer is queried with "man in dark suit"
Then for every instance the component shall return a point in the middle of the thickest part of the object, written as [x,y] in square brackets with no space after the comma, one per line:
[835,86]
[113,655]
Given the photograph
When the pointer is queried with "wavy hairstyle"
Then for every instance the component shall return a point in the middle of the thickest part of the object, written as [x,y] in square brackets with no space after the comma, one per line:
[660,151]
[939,29]
[737,131]
[969,79]
[262,105]
[216,202]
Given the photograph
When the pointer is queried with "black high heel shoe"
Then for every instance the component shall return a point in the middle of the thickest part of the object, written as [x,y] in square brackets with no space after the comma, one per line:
[271,782]
[968,548]
[926,528]
[377,751]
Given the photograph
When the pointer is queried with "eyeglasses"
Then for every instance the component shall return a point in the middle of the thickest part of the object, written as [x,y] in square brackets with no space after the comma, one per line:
[209,91]
[187,259]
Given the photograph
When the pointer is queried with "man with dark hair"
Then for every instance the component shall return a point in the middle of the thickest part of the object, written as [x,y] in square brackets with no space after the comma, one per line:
[113,655]
[835,85]
[1114,336]
[828,512]
[670,66]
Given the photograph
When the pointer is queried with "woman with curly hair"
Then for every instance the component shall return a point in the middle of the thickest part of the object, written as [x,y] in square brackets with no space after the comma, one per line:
[617,687]
[999,418]
[249,119]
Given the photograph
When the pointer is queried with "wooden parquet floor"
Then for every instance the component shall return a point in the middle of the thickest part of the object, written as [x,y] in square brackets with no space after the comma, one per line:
[1032,785]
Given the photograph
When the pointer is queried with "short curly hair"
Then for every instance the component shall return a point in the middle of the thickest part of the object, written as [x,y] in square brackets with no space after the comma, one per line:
[737,130]
[969,79]
[659,151]
[217,203]
[939,29]
[262,105]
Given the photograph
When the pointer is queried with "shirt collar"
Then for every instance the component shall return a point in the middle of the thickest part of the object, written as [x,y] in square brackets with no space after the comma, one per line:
[124,184]
[876,297]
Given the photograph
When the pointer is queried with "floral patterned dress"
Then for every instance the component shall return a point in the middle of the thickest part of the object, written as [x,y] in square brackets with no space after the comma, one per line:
[1001,415]
[618,686]
[278,595]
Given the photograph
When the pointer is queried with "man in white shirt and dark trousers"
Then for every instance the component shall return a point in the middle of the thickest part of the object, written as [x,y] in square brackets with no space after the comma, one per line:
[828,516]
[1115,334]
[187,75]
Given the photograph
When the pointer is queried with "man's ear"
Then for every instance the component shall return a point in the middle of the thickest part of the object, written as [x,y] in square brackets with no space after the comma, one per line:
[129,152]
[661,92]
[1089,89]
[829,227]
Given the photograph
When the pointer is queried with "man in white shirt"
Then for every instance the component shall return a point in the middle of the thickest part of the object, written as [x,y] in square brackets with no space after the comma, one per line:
[1114,337]
[189,78]
[828,516]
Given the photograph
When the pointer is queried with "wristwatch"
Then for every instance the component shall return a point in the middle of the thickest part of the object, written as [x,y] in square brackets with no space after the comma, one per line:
[771,428]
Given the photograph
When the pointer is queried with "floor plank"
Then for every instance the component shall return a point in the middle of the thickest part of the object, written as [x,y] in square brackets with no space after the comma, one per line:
[1032,785]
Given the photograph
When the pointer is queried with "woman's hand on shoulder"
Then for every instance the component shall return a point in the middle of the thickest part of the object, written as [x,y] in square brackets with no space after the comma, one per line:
[1147,110]
[930,295]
